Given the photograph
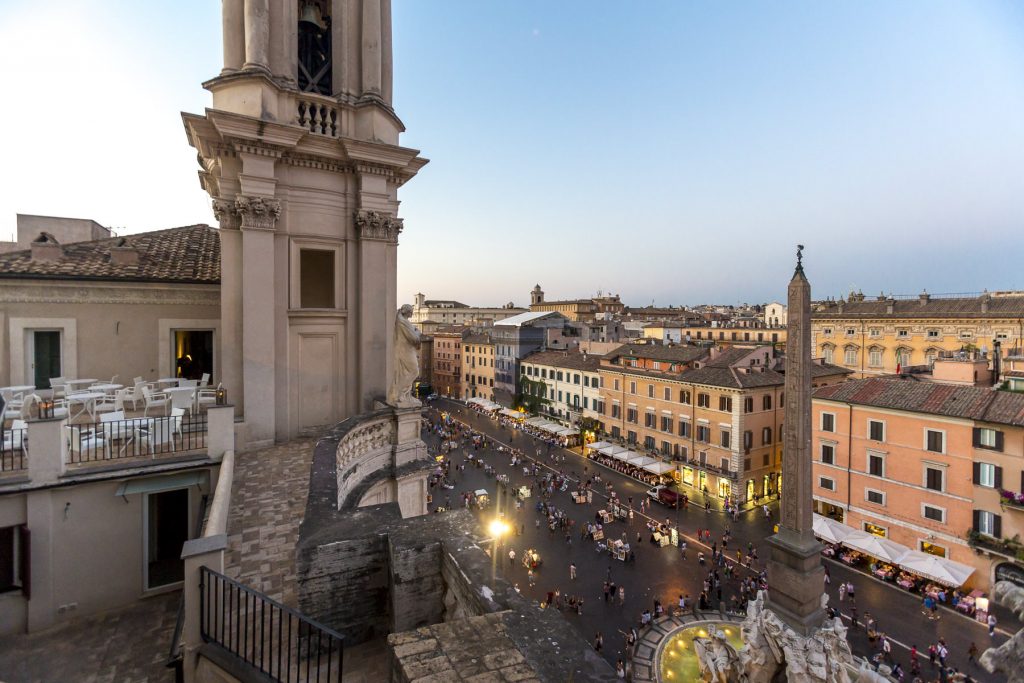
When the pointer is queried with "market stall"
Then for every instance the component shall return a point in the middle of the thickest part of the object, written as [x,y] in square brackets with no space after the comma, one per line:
[888,552]
[481,498]
[618,549]
[531,559]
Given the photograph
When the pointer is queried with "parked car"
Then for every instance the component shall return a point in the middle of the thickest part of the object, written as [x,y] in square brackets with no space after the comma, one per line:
[664,495]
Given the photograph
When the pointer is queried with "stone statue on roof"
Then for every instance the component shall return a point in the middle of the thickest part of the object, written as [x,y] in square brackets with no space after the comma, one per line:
[406,361]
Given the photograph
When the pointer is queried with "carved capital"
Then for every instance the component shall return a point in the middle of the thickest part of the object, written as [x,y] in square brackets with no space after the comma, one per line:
[257,213]
[226,215]
[374,225]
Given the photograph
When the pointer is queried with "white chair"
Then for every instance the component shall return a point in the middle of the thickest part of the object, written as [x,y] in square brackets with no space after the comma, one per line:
[177,416]
[188,383]
[206,397]
[157,435]
[16,437]
[134,395]
[58,386]
[183,401]
[84,444]
[113,380]
[205,379]
[112,416]
[155,399]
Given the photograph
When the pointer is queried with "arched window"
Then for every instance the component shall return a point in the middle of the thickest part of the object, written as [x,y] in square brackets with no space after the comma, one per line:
[851,355]
[875,356]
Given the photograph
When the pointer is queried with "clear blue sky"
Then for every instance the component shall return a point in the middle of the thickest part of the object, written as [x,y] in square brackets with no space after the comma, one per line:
[666,151]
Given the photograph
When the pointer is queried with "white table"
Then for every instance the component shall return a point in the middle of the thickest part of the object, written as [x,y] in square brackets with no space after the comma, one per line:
[125,430]
[87,400]
[106,387]
[172,381]
[182,397]
[19,388]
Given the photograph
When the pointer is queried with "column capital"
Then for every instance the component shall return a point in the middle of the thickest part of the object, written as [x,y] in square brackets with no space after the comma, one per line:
[226,215]
[257,213]
[373,225]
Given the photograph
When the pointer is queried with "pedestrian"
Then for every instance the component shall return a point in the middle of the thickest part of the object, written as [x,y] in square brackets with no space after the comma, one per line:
[972,653]
[620,669]
[828,578]
[842,591]
[886,648]
[622,595]
[533,580]
[512,557]
[992,626]
[572,571]
[682,549]
[598,642]
[606,587]
[933,654]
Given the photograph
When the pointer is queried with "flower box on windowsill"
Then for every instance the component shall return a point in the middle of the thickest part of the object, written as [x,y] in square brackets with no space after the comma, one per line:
[1011,499]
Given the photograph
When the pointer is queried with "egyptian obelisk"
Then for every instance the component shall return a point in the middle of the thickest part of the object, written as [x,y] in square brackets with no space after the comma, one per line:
[795,572]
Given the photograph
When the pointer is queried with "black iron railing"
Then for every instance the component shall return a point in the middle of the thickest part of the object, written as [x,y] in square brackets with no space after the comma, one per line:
[13,449]
[276,640]
[135,437]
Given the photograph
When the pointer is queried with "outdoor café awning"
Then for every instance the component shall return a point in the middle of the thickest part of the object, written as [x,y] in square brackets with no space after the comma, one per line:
[490,405]
[624,455]
[567,431]
[659,467]
[536,421]
[514,414]
[611,449]
[641,461]
[880,548]
[939,569]
[828,529]
[598,445]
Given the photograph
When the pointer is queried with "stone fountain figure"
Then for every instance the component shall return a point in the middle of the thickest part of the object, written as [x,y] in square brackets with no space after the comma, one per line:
[717,658]
[406,361]
[1008,658]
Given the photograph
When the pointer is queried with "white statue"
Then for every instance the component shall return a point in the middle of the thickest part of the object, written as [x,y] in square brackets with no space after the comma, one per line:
[716,657]
[407,361]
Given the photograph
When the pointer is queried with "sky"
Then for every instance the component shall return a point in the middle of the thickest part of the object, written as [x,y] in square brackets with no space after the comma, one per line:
[670,152]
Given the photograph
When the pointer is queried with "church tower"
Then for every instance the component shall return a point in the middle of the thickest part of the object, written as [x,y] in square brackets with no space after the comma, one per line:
[299,153]
[536,295]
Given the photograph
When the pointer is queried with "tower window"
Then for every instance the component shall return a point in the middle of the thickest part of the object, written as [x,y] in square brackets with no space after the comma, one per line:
[314,48]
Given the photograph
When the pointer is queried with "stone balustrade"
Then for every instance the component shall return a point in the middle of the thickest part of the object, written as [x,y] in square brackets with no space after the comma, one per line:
[319,115]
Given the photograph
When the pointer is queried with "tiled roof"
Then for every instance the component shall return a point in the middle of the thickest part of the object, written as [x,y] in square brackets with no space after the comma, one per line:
[190,254]
[974,403]
[477,339]
[444,302]
[967,307]
[572,360]
[678,353]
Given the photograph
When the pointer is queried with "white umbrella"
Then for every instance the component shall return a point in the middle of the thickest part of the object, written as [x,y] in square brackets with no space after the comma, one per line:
[598,445]
[641,461]
[881,548]
[946,572]
[624,455]
[830,530]
[659,467]
[612,449]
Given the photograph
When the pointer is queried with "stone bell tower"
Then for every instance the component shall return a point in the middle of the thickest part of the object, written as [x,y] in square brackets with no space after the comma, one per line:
[299,153]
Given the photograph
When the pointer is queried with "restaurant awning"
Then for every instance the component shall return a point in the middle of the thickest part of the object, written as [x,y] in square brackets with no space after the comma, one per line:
[611,449]
[514,414]
[598,445]
[624,455]
[880,548]
[168,482]
[641,461]
[567,431]
[659,467]
[536,421]
[946,572]
[830,530]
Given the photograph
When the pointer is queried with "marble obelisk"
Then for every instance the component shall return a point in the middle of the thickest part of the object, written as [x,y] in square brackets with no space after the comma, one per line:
[795,572]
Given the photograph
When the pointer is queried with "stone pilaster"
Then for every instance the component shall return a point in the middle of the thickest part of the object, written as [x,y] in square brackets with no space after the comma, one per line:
[795,573]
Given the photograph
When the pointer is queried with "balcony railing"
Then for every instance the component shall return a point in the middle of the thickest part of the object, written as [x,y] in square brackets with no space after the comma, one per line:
[1012,499]
[266,635]
[14,450]
[140,437]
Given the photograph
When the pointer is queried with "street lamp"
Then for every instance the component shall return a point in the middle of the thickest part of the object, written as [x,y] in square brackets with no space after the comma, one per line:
[498,528]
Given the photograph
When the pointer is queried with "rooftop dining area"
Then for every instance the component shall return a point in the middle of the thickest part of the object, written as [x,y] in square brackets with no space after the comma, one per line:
[93,422]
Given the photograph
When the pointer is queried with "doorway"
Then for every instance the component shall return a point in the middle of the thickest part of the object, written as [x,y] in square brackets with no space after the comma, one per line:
[193,353]
[45,357]
[166,532]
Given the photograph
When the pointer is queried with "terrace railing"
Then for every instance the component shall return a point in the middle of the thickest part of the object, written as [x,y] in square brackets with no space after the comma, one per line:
[140,437]
[266,635]
[13,450]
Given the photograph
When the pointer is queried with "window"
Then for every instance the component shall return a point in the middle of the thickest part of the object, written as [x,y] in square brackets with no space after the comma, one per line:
[193,353]
[876,465]
[649,442]
[934,478]
[703,401]
[828,454]
[726,438]
[748,439]
[631,415]
[988,475]
[650,391]
[903,334]
[631,437]
[766,402]
[632,387]
[666,423]
[748,405]
[933,513]
[559,375]
[988,438]
[316,278]
[876,530]
[766,436]
[851,356]
[875,358]
[988,523]
[827,353]
[875,331]
[616,410]
[667,394]
[873,496]
[967,334]
[649,420]
[684,397]
[828,422]
[765,459]
[684,428]
[616,385]
[725,404]
[935,441]
[876,430]
[703,433]
[933,334]
[575,379]
[826,483]
[14,555]
[827,331]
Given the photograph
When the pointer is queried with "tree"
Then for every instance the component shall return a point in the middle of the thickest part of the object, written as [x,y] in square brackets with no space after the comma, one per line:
[532,395]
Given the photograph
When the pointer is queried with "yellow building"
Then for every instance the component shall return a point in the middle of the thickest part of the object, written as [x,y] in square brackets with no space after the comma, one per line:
[478,367]
[873,336]
[715,413]
[577,310]
[724,336]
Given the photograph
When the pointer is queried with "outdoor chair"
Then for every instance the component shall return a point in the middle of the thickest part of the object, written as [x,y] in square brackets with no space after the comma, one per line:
[206,397]
[183,400]
[84,443]
[134,395]
[58,386]
[155,399]
[16,437]
[157,435]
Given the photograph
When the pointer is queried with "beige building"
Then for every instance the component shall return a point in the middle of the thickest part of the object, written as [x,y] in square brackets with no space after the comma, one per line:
[430,314]
[478,367]
[874,336]
[571,382]
[577,310]
[775,315]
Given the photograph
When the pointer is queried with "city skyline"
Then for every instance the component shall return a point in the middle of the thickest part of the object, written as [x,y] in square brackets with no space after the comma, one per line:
[872,134]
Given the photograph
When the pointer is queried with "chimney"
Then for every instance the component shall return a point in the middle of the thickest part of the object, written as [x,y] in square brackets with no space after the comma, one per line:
[923,297]
[890,305]
[46,248]
[121,254]
[985,298]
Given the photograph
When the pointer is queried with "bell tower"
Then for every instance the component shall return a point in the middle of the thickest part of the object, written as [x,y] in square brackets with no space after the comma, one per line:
[300,155]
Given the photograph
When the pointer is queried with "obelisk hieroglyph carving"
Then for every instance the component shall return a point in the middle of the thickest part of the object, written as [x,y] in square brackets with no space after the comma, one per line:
[795,573]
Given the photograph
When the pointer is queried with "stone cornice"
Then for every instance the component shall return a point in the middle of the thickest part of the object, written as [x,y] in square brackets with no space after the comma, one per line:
[373,225]
[48,292]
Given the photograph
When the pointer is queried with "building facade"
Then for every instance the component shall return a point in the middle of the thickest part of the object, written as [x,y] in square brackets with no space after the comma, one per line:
[478,367]
[571,382]
[775,315]
[875,336]
[577,310]
[446,363]
[932,466]
[427,314]
[514,339]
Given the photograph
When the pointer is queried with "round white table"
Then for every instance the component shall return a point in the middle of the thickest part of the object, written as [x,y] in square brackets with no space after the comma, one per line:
[106,387]
[87,400]
[19,388]
[172,381]
[86,382]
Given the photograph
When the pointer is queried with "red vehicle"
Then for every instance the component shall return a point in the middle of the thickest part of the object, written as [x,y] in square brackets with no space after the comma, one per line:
[665,496]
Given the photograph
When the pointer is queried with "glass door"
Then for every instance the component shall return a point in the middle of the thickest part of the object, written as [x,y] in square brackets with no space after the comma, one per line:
[45,357]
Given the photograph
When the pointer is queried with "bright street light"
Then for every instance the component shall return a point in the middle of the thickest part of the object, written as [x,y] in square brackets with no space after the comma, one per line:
[498,528]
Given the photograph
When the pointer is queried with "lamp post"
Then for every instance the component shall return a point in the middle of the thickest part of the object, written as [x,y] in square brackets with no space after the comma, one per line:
[498,528]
